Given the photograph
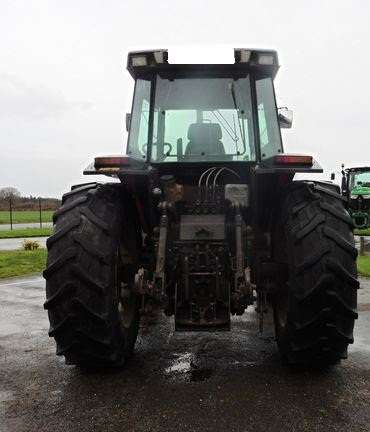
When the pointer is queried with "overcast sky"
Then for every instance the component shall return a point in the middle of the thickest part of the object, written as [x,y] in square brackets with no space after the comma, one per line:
[64,88]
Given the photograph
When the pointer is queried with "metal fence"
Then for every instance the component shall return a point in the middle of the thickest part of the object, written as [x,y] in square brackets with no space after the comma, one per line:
[33,212]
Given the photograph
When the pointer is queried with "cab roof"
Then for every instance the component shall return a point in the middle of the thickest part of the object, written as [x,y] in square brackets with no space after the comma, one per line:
[145,64]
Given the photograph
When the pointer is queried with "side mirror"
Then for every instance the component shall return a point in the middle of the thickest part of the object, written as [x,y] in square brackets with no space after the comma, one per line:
[344,182]
[285,117]
[332,176]
[128,121]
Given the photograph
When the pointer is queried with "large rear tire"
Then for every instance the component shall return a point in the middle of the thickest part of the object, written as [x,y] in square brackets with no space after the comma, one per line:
[315,308]
[91,263]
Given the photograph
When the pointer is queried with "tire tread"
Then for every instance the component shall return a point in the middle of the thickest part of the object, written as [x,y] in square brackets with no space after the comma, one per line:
[321,258]
[83,317]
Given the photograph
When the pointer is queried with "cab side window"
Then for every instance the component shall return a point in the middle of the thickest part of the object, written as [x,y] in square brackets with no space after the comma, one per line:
[269,130]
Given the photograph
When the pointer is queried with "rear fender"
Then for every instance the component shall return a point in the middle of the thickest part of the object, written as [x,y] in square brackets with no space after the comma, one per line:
[288,164]
[116,166]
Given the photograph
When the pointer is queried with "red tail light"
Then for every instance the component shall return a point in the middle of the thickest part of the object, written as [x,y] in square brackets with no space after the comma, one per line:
[111,161]
[290,159]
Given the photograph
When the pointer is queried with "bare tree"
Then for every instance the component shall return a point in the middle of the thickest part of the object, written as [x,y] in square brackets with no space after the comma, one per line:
[9,193]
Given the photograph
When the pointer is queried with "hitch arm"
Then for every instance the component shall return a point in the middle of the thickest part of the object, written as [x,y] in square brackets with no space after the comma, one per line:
[160,275]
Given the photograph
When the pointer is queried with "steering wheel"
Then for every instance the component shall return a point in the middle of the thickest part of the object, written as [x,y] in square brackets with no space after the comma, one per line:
[144,148]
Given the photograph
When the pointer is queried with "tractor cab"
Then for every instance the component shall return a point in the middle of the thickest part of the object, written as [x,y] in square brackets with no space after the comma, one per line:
[200,115]
[359,181]
[356,186]
[203,113]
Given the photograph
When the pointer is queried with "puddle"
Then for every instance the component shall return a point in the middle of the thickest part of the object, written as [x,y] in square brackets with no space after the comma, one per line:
[185,368]
[181,365]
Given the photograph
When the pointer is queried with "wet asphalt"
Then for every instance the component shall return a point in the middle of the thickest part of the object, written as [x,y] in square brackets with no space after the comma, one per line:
[231,381]
[4,227]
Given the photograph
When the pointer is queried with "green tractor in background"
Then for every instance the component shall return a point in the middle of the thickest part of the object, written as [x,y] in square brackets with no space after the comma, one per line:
[356,187]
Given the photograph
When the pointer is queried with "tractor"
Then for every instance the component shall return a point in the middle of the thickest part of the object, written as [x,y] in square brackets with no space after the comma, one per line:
[202,219]
[356,188]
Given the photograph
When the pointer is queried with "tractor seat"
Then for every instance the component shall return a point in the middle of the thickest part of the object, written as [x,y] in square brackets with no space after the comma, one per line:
[204,140]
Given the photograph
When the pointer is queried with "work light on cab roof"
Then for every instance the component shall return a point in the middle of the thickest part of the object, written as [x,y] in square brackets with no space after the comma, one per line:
[266,59]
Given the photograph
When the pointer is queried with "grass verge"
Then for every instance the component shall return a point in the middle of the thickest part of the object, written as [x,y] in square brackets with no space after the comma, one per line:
[365,232]
[26,216]
[25,232]
[363,266]
[20,263]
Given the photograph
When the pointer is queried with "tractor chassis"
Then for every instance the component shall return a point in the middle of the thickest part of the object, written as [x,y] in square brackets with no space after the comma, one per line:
[201,266]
